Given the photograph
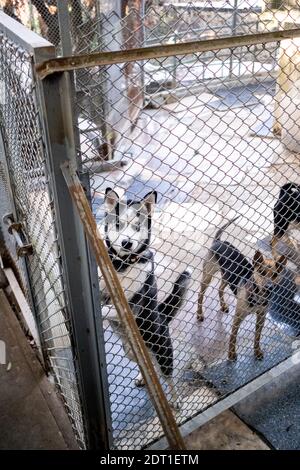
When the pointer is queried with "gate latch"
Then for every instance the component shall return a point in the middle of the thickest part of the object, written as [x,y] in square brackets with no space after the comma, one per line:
[15,228]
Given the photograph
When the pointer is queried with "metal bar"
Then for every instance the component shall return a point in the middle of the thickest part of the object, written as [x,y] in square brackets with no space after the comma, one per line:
[89,362]
[231,400]
[95,287]
[62,64]
[102,87]
[233,33]
[40,303]
[64,27]
[22,36]
[126,316]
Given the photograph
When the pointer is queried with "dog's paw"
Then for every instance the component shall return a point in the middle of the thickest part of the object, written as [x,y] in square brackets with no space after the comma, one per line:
[139,381]
[259,355]
[200,316]
[232,356]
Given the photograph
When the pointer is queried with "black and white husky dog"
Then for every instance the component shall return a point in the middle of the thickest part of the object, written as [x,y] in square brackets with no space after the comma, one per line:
[127,225]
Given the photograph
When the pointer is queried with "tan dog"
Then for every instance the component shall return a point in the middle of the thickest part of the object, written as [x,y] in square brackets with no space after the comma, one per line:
[251,284]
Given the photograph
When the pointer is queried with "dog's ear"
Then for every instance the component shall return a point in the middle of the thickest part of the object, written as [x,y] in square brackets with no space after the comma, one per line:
[111,199]
[150,200]
[258,259]
[281,263]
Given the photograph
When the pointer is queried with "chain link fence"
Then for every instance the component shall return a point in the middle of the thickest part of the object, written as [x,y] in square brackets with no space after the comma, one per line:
[26,178]
[215,135]
[211,155]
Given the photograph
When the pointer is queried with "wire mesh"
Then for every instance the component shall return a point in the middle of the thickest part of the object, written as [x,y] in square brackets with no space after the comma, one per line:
[25,156]
[212,154]
[215,134]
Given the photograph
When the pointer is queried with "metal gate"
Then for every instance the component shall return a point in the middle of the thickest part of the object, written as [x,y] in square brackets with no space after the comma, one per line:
[213,152]
[52,279]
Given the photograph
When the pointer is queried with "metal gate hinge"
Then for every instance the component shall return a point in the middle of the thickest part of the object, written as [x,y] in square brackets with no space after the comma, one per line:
[23,248]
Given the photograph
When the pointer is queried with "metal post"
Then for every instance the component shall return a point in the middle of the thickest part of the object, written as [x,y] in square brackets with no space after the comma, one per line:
[102,98]
[85,315]
[64,27]
[234,18]
[174,85]
[233,33]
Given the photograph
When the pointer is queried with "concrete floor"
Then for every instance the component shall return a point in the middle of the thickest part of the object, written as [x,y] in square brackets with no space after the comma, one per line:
[31,415]
[225,432]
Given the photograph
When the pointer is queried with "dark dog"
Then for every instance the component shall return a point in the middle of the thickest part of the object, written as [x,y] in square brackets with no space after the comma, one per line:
[286,213]
[251,284]
[127,235]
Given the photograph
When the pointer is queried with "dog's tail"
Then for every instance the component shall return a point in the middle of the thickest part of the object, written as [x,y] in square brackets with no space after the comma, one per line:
[170,306]
[221,230]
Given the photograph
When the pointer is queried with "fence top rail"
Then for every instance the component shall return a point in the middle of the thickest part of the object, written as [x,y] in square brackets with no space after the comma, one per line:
[64,64]
[25,38]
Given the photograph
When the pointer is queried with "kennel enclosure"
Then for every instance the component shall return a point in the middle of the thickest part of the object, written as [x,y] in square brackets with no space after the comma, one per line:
[200,134]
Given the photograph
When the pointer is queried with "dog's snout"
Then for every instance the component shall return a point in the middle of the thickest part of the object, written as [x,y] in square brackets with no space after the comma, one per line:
[126,244]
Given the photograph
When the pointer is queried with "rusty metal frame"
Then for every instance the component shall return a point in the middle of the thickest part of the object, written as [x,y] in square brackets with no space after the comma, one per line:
[64,64]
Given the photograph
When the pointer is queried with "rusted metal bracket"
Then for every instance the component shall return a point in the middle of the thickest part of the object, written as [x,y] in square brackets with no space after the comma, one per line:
[64,64]
[124,311]
[16,229]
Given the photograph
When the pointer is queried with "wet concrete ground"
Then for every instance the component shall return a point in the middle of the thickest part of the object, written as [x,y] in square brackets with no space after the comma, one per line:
[225,432]
[208,167]
[274,411]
